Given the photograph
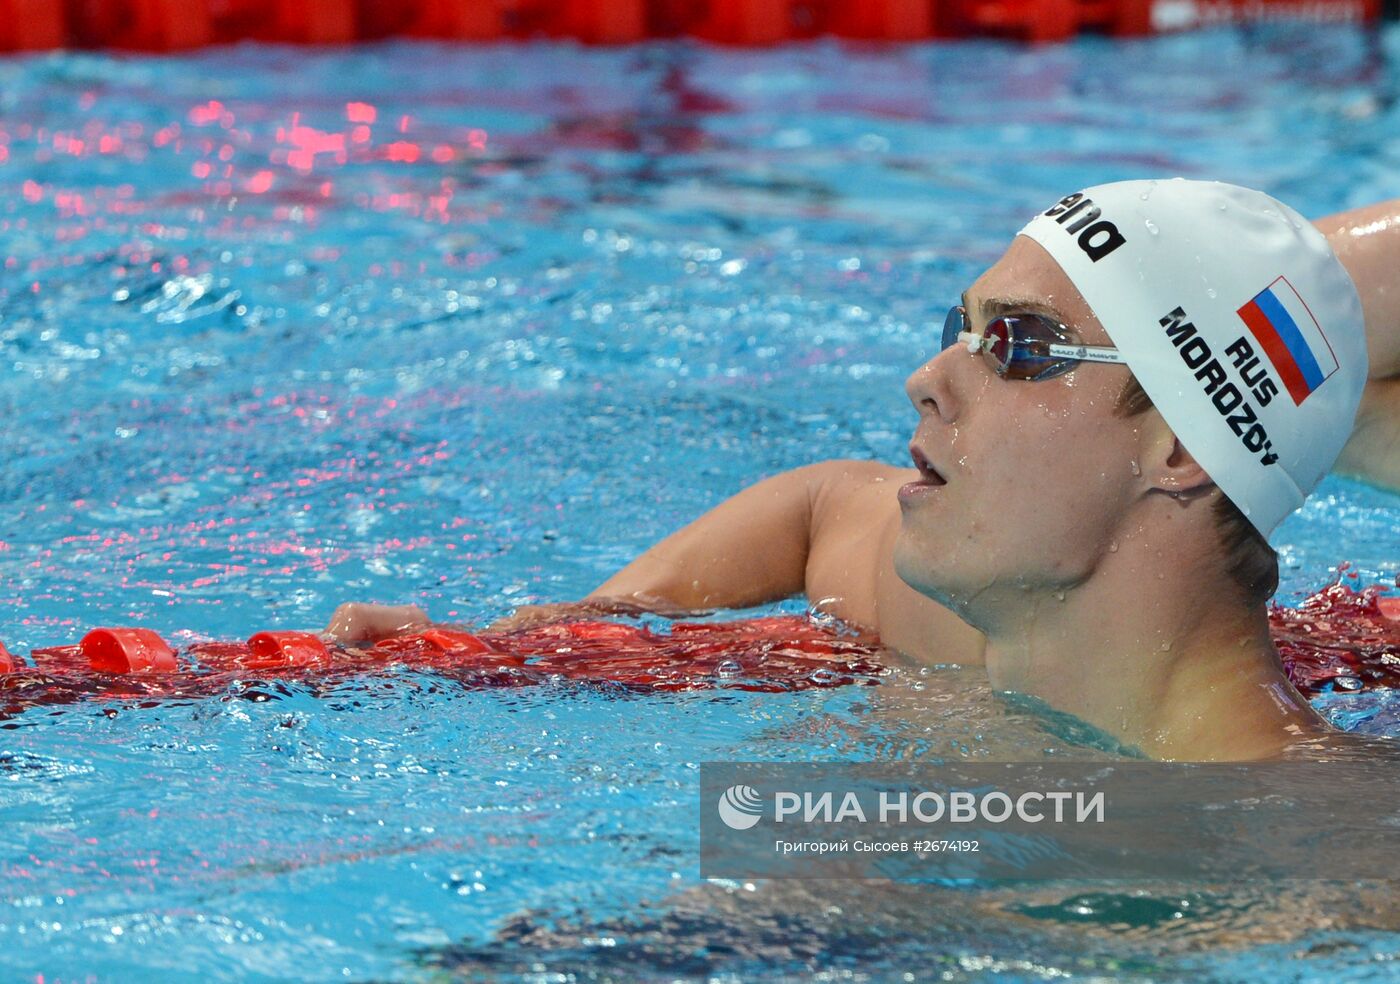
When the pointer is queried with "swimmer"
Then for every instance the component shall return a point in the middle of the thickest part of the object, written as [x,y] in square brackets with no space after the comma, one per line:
[1125,405]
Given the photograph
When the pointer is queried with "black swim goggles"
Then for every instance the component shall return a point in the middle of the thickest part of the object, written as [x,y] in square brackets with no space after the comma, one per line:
[1024,346]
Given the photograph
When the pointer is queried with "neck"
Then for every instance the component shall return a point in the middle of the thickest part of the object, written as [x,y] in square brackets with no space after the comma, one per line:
[1152,651]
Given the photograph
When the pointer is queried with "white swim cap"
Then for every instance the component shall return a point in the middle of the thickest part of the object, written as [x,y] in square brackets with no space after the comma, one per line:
[1237,319]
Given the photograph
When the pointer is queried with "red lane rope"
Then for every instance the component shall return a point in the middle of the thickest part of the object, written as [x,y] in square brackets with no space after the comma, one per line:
[769,654]
[167,25]
[1338,638]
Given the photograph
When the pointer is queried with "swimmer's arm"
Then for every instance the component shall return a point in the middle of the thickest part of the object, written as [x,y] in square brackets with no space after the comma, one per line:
[748,550]
[1367,240]
[751,549]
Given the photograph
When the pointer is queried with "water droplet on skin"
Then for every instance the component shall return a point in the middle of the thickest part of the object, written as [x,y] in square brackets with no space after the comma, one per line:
[1113,546]
[1059,596]
[1167,646]
[1137,469]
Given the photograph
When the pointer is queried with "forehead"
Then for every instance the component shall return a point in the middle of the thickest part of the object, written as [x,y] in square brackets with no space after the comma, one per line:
[1027,276]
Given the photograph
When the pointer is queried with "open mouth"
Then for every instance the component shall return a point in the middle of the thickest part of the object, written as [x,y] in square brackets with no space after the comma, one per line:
[928,475]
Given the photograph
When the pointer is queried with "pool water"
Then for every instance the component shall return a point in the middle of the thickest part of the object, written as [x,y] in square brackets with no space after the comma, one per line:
[471,328]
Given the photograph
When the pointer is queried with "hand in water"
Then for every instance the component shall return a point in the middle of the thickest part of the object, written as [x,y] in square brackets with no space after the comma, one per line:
[529,616]
[359,622]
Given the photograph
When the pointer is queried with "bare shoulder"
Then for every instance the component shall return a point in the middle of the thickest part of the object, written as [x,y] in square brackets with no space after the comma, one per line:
[1373,452]
[854,512]
[856,471]
[841,477]
[850,567]
[851,491]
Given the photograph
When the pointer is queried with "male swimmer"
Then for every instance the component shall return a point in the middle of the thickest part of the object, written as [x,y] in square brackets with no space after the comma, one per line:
[1126,404]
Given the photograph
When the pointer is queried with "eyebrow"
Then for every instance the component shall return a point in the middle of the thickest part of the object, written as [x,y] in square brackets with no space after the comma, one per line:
[993,306]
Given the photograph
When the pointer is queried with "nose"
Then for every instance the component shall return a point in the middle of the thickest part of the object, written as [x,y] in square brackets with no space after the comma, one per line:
[932,387]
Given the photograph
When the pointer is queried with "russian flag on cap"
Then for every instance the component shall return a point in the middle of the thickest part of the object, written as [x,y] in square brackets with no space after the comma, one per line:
[1290,337]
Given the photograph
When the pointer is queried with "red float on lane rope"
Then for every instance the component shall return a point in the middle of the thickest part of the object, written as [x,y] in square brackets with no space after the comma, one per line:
[288,649]
[613,632]
[7,662]
[32,25]
[126,650]
[454,641]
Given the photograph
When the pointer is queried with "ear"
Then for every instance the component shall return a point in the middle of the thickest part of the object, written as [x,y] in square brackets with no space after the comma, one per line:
[1168,467]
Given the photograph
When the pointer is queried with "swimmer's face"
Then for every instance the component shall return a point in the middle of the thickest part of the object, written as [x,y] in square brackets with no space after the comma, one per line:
[1039,475]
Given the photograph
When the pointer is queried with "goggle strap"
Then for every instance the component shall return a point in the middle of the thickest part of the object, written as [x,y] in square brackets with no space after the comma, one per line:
[1085,353]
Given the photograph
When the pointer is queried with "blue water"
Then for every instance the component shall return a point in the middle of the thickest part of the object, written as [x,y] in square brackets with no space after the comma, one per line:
[264,354]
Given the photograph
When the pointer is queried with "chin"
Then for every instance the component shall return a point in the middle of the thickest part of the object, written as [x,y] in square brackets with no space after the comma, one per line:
[929,572]
[918,567]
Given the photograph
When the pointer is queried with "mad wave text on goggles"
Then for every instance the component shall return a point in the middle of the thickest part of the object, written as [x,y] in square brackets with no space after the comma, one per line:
[1023,346]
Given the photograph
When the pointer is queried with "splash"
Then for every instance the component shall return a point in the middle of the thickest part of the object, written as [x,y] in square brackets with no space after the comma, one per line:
[1340,638]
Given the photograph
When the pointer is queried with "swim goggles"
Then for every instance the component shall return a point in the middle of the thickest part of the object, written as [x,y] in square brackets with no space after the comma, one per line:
[1024,346]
